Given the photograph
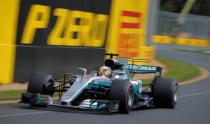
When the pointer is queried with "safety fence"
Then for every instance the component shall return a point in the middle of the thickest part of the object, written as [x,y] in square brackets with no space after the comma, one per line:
[194,31]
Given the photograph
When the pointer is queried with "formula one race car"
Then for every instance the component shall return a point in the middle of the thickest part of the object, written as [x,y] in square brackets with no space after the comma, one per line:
[110,89]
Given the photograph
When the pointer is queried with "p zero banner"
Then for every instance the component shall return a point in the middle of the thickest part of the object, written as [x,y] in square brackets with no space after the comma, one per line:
[57,36]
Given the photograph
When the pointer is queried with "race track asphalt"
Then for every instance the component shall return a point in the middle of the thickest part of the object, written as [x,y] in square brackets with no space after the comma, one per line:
[193,105]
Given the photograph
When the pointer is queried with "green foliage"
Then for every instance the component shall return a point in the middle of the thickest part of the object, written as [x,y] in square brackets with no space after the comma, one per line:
[200,7]
[167,7]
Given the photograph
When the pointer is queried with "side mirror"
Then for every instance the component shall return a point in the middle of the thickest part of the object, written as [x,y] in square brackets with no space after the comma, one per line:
[82,70]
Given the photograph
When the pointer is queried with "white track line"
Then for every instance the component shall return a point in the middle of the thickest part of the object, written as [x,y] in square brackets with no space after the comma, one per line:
[21,114]
[195,94]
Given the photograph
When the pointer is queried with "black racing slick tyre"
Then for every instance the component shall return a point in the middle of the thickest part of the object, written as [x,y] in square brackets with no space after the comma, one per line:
[165,92]
[41,82]
[122,90]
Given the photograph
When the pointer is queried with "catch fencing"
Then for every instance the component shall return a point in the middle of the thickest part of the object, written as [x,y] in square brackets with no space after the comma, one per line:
[194,26]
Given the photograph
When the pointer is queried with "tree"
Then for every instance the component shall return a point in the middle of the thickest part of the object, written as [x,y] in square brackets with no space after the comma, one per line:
[200,7]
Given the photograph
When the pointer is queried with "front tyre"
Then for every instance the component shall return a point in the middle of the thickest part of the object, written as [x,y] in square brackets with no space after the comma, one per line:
[122,90]
[42,83]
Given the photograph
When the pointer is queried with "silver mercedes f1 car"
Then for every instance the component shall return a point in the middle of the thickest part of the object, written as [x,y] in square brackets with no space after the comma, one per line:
[110,89]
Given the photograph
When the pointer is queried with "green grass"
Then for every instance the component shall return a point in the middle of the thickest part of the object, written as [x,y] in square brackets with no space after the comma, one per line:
[178,70]
[11,94]
[207,51]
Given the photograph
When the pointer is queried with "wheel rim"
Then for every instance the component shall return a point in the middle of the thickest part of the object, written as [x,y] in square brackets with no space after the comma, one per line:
[175,94]
[130,97]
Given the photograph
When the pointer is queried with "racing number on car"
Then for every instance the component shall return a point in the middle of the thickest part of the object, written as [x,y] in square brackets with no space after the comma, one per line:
[90,30]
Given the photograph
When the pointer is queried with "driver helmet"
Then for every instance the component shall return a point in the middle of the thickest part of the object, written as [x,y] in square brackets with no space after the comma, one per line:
[105,71]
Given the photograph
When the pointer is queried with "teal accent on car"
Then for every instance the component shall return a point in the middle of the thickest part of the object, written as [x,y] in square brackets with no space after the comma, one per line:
[40,99]
[93,86]
[137,94]
[141,68]
[94,105]
[121,73]
[136,91]
[79,69]
[103,83]
[101,106]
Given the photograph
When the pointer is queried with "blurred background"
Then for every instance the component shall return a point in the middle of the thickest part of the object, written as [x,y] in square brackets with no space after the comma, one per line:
[183,22]
[57,36]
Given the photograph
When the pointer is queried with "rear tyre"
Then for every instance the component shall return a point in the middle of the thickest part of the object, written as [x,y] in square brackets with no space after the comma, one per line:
[165,92]
[122,90]
[42,83]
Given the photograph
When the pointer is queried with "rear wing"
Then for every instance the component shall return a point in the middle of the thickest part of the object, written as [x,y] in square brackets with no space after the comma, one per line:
[132,65]
[133,68]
